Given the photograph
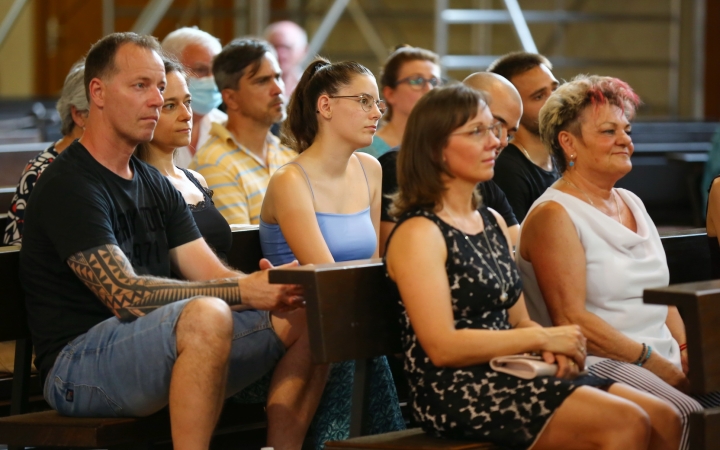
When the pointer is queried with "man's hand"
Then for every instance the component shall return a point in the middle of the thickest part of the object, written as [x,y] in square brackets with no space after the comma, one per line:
[256,292]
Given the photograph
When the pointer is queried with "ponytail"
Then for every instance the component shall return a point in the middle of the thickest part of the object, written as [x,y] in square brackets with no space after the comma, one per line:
[320,77]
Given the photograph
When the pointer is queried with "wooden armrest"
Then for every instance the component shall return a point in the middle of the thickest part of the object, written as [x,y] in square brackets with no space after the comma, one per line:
[699,306]
[351,309]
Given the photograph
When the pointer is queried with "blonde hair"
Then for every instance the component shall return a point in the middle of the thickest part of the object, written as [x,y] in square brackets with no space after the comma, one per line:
[563,108]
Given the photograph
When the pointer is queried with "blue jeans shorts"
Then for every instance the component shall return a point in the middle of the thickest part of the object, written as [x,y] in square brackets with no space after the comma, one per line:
[122,369]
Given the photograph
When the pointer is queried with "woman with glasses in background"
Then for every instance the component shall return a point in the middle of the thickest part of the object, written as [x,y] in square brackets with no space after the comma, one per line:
[408,73]
[325,207]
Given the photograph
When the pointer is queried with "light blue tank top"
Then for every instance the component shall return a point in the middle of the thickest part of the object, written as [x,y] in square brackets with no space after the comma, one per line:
[348,236]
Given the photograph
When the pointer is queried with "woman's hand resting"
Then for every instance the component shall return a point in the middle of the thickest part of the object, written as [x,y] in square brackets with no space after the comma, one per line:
[565,341]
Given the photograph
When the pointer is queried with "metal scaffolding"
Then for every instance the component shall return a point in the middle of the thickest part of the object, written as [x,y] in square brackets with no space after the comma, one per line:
[445,17]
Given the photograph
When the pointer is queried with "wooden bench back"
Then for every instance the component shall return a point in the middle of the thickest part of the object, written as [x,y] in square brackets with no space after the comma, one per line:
[352,311]
[13,320]
[688,255]
[699,305]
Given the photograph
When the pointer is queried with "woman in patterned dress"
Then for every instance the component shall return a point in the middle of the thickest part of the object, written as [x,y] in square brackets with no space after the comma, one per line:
[73,108]
[462,305]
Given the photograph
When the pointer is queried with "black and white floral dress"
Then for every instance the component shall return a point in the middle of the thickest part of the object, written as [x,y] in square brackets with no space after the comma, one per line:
[477,402]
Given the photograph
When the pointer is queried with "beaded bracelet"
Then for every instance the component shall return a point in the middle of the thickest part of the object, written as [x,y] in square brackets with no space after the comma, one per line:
[638,362]
[649,352]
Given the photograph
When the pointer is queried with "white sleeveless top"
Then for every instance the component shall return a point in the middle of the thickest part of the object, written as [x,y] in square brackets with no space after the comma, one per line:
[620,265]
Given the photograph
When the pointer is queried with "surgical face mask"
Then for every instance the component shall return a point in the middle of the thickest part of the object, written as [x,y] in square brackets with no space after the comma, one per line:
[205,95]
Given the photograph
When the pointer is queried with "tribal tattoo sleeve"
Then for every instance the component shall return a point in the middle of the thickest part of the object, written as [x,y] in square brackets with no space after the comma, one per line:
[107,272]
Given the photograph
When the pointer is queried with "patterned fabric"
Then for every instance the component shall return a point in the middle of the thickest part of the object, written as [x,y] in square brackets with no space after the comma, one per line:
[475,402]
[16,212]
[646,381]
[238,177]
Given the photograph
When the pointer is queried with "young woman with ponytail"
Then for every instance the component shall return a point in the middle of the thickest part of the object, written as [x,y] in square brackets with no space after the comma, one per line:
[325,207]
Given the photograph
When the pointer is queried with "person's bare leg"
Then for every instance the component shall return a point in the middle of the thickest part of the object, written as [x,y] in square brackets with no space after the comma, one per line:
[296,385]
[664,418]
[197,385]
[593,419]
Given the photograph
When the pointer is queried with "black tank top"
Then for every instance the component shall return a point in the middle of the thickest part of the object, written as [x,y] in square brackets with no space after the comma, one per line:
[212,225]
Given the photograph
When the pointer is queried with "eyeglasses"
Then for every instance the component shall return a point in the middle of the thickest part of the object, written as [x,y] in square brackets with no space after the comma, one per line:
[480,133]
[366,101]
[418,83]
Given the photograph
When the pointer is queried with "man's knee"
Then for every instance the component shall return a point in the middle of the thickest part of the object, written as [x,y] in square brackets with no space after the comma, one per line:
[204,320]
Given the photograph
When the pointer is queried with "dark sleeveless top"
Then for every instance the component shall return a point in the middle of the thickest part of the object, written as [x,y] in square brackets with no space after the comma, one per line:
[212,225]
[476,402]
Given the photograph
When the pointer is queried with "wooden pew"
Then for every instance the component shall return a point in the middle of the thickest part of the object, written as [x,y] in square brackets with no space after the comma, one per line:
[352,315]
[348,303]
[13,159]
[699,305]
[47,428]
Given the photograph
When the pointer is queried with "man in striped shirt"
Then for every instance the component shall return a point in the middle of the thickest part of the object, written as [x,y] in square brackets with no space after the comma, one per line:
[241,155]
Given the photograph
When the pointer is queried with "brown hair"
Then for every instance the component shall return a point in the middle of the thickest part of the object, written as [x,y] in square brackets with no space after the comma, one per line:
[171,65]
[100,60]
[420,164]
[401,55]
[235,58]
[517,63]
[563,108]
[320,77]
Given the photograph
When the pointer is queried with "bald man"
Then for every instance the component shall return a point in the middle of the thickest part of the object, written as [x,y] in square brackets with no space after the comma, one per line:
[290,42]
[506,107]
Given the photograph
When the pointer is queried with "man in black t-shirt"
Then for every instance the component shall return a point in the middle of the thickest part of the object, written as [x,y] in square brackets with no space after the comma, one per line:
[526,169]
[114,335]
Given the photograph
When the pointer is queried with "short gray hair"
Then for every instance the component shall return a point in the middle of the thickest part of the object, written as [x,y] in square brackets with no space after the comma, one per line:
[73,94]
[175,42]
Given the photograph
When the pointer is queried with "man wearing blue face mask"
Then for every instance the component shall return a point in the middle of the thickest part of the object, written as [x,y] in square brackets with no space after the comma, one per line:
[241,156]
[196,49]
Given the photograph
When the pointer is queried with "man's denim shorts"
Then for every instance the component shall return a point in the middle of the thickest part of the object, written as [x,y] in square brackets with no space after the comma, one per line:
[122,369]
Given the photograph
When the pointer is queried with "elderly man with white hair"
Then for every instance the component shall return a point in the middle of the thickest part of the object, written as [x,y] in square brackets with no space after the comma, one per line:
[196,49]
[290,42]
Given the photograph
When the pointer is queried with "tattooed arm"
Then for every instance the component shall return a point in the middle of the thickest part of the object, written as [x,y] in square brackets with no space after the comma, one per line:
[106,271]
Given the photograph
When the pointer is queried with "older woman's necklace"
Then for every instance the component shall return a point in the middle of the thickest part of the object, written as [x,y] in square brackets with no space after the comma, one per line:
[504,287]
[614,195]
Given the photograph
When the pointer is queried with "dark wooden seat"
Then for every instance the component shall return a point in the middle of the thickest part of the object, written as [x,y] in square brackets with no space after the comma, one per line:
[48,428]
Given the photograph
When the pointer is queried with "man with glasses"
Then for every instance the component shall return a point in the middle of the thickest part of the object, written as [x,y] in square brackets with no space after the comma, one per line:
[242,155]
[525,169]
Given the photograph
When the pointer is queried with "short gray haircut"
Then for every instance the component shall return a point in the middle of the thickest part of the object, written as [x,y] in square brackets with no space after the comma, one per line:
[175,42]
[73,94]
